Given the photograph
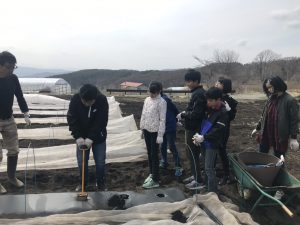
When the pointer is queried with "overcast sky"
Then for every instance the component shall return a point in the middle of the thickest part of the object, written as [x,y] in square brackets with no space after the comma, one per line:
[145,34]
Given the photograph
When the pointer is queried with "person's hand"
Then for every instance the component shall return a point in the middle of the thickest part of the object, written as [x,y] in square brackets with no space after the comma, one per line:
[198,139]
[254,132]
[294,144]
[228,108]
[88,142]
[179,124]
[79,142]
[180,116]
[27,118]
[159,140]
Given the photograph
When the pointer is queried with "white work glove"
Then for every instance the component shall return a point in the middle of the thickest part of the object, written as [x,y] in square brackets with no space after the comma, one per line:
[228,108]
[79,142]
[179,124]
[254,132]
[294,144]
[179,116]
[27,119]
[198,139]
[159,140]
[88,142]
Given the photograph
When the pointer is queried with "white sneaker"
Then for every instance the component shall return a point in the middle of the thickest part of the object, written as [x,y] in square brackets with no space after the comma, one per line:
[279,194]
[16,182]
[2,190]
[148,179]
[194,185]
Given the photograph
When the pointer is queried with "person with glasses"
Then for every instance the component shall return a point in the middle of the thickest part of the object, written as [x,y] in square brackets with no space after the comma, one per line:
[10,87]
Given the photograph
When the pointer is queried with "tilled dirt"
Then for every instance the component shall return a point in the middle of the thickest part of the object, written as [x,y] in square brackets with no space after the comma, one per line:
[130,176]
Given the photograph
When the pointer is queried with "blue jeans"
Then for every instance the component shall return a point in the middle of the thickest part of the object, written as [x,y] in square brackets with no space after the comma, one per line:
[210,155]
[99,152]
[169,138]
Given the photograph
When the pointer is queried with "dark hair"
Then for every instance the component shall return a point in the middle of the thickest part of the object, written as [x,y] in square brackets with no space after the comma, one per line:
[7,57]
[278,84]
[192,75]
[214,93]
[88,92]
[264,86]
[155,87]
[227,85]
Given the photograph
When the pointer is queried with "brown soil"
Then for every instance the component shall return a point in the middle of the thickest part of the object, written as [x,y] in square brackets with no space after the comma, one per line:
[129,176]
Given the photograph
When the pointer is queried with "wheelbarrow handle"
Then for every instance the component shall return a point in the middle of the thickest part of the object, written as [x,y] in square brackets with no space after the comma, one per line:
[287,210]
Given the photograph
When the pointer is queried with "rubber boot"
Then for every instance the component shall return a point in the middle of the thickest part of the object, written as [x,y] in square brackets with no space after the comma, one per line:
[2,190]
[11,171]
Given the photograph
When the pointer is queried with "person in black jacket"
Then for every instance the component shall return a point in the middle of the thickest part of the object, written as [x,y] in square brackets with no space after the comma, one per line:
[212,133]
[192,118]
[230,104]
[10,87]
[87,118]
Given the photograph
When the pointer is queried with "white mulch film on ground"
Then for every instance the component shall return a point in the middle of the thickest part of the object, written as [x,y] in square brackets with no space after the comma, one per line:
[123,144]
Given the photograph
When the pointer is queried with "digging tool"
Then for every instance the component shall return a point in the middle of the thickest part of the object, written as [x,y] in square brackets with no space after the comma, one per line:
[82,196]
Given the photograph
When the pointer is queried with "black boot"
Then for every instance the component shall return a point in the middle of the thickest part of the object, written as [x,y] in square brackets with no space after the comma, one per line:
[11,171]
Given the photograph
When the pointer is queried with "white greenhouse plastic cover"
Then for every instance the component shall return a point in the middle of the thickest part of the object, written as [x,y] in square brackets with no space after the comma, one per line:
[49,85]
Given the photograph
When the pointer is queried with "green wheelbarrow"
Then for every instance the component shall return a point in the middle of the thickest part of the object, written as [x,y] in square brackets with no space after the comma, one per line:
[284,181]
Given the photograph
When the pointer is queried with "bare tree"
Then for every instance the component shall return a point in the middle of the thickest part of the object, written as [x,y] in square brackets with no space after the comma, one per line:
[226,56]
[227,59]
[263,62]
[289,66]
[208,64]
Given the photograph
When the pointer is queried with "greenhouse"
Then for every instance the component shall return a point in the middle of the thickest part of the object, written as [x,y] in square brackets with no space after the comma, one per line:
[55,86]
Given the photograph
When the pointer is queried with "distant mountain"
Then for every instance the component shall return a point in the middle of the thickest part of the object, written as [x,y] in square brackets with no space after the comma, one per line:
[113,78]
[36,72]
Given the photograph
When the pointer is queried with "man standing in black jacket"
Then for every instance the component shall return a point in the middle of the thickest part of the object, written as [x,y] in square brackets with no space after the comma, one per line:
[192,117]
[10,87]
[87,118]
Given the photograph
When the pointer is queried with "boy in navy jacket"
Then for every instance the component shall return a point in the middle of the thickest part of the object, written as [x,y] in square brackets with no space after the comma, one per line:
[212,133]
[170,137]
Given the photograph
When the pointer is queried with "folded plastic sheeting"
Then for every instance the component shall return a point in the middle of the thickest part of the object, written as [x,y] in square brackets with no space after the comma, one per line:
[157,213]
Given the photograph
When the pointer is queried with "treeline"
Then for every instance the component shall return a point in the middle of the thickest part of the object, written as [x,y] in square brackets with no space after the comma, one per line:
[223,63]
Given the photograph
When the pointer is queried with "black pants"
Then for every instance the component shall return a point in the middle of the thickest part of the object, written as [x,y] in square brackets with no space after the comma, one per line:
[153,151]
[193,153]
[265,149]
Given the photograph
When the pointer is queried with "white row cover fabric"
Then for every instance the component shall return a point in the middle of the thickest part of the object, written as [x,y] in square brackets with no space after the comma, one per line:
[114,111]
[122,127]
[123,141]
[64,156]
[158,213]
